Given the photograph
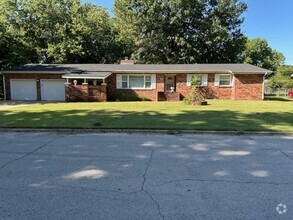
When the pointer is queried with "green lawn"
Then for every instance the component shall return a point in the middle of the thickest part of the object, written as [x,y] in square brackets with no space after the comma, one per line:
[218,115]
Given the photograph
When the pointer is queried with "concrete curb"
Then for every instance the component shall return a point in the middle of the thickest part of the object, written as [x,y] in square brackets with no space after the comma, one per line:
[145,131]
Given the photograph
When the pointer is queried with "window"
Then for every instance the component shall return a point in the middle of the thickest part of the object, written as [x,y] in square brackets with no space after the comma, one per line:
[135,81]
[124,82]
[223,80]
[203,77]
[148,82]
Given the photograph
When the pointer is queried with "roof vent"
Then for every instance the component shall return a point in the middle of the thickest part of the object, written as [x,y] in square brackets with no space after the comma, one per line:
[126,61]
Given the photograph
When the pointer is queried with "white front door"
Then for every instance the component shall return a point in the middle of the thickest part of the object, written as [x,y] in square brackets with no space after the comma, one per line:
[23,89]
[53,90]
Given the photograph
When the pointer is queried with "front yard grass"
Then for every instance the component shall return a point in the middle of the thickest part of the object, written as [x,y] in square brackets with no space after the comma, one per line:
[219,115]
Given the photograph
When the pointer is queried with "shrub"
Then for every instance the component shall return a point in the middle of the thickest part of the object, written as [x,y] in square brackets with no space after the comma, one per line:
[194,94]
[127,97]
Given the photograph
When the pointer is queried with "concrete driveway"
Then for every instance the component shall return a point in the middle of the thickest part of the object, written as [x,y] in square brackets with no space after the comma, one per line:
[132,176]
[4,105]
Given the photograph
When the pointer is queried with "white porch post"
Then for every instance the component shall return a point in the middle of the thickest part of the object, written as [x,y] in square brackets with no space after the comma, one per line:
[85,81]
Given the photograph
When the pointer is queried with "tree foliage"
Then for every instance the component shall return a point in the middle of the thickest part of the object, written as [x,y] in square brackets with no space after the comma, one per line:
[258,52]
[67,31]
[183,31]
[126,31]
[14,50]
[151,31]
[282,78]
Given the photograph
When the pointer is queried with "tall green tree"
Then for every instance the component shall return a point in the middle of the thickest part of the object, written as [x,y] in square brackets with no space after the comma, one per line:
[258,52]
[67,31]
[282,78]
[184,31]
[14,50]
[125,29]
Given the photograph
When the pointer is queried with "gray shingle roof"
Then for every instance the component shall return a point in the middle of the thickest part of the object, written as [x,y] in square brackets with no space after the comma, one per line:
[79,68]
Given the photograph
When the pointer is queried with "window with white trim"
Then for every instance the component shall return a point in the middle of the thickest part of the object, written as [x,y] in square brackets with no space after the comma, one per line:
[223,80]
[203,79]
[134,81]
[125,82]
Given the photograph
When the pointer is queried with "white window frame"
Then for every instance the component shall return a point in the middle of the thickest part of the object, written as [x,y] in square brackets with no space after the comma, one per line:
[120,81]
[218,80]
[204,79]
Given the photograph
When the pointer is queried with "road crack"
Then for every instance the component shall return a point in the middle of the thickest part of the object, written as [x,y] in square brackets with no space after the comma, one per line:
[156,203]
[146,170]
[144,182]
[30,153]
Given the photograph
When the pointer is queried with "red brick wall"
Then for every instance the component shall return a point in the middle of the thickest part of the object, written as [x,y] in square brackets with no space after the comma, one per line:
[85,93]
[150,94]
[36,76]
[248,87]
[209,92]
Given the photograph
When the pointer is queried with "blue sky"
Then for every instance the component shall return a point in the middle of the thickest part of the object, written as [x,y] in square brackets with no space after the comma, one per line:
[269,19]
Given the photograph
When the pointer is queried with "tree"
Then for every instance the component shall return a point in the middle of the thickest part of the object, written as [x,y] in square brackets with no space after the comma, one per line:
[124,27]
[67,31]
[185,31]
[282,78]
[259,53]
[14,51]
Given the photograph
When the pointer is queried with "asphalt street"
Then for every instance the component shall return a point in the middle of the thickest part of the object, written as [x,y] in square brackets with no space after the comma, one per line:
[145,176]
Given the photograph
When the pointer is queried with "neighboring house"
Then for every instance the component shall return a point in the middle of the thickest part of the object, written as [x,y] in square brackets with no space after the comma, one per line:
[98,82]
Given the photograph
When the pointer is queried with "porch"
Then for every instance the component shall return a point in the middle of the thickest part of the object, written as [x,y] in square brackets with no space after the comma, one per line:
[86,87]
[168,91]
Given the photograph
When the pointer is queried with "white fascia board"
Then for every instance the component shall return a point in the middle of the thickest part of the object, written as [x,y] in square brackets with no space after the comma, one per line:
[251,72]
[171,71]
[83,77]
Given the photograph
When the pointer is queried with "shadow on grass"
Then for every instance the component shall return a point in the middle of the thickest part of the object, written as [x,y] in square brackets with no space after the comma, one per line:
[185,120]
[277,98]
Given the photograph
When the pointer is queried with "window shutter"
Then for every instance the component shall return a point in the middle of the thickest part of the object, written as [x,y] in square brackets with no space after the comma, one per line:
[232,80]
[154,81]
[205,80]
[188,80]
[217,80]
[119,81]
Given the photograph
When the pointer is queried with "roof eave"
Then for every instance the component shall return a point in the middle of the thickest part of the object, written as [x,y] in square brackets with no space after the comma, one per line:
[33,72]
[252,72]
[172,71]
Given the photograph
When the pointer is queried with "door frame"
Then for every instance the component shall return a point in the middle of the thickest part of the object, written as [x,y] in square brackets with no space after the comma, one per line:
[41,87]
[12,89]
[174,81]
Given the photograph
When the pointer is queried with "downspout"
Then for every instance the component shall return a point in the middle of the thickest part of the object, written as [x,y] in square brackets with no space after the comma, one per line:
[4,88]
[263,85]
[232,84]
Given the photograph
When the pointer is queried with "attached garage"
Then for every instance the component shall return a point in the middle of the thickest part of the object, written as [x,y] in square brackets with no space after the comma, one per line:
[53,89]
[23,89]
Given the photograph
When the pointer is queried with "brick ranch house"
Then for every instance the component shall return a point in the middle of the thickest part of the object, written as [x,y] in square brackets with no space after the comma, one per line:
[98,82]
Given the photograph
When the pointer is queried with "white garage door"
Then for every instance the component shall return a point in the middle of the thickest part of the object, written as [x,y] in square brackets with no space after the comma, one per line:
[22,89]
[53,90]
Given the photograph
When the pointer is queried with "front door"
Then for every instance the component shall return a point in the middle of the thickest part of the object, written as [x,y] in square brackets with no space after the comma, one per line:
[170,83]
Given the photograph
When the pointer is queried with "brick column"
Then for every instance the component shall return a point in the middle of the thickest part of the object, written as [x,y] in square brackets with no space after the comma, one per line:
[103,91]
[67,92]
[85,92]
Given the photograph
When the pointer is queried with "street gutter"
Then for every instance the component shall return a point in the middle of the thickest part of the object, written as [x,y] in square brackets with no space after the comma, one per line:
[145,131]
